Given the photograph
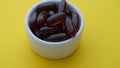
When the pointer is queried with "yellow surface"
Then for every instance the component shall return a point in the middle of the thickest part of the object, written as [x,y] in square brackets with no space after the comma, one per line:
[99,46]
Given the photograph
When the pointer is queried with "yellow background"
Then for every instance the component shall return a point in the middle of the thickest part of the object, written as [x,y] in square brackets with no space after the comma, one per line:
[99,46]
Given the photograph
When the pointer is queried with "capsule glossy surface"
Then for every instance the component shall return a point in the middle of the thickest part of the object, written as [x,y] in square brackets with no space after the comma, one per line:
[56,19]
[46,31]
[42,18]
[32,19]
[56,37]
[62,6]
[75,21]
[69,27]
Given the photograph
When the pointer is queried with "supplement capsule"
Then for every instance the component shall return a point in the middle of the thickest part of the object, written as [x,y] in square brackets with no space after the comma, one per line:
[42,18]
[46,31]
[62,6]
[75,20]
[56,37]
[69,27]
[56,19]
[32,19]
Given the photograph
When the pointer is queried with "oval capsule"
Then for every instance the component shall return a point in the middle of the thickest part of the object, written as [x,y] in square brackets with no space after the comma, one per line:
[75,21]
[46,31]
[32,19]
[62,6]
[69,27]
[56,19]
[57,37]
[42,18]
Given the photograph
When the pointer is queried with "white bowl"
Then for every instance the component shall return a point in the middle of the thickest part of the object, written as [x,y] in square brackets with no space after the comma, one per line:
[54,50]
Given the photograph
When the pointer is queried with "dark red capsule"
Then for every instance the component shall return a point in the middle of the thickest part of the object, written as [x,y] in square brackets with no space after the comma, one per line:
[69,27]
[51,13]
[46,31]
[57,37]
[32,19]
[56,19]
[75,20]
[42,18]
[62,6]
[47,7]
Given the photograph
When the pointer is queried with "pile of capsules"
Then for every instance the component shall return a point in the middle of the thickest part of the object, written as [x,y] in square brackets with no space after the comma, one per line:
[54,21]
